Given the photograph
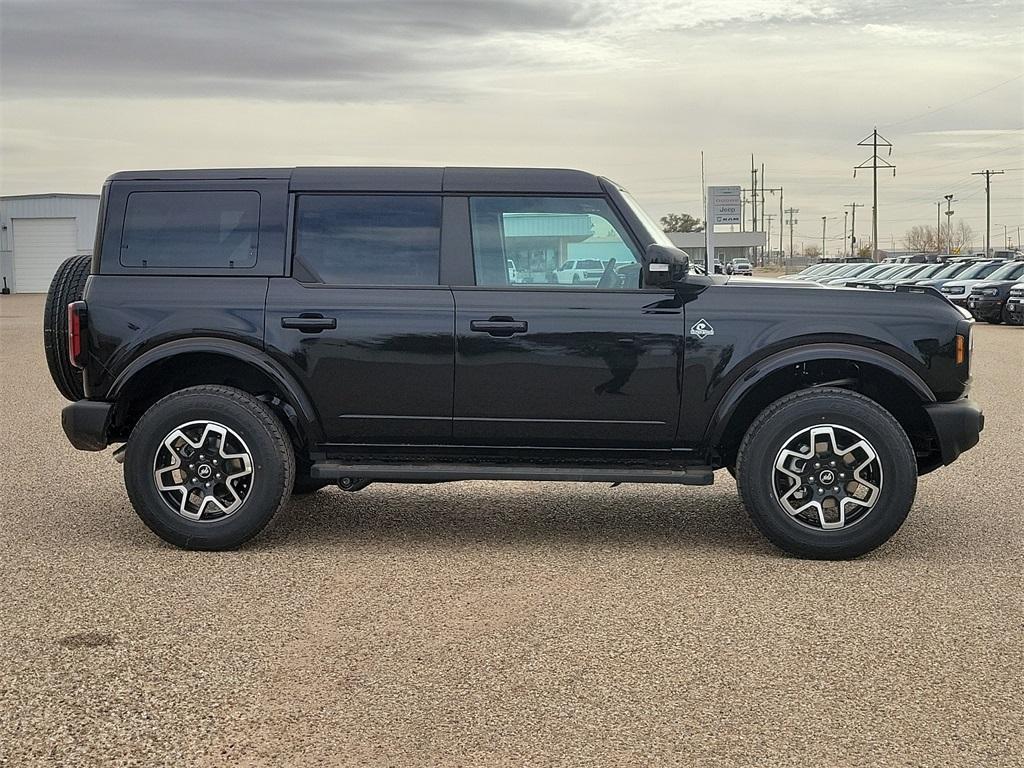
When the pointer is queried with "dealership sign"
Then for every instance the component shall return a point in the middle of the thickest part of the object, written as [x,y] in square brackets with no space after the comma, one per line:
[723,205]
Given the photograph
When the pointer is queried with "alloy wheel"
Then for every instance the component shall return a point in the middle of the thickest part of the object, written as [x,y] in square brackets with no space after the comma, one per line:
[203,470]
[827,477]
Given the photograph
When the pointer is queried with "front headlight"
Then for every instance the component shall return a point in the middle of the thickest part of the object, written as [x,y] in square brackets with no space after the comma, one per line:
[953,289]
[887,286]
[989,291]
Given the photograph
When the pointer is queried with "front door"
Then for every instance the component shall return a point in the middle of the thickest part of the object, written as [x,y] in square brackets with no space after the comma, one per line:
[363,322]
[545,360]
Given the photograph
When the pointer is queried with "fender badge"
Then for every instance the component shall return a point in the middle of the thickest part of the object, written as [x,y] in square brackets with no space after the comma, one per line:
[702,329]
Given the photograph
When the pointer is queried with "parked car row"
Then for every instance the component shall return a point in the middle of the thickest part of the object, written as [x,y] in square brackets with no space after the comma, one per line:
[990,288]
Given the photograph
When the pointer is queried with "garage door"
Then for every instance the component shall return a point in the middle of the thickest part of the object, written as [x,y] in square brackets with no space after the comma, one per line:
[40,245]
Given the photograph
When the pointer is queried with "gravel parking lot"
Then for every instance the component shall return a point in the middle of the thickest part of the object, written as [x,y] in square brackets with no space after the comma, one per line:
[501,623]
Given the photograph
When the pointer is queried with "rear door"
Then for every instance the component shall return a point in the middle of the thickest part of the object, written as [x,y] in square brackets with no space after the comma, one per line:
[597,362]
[363,321]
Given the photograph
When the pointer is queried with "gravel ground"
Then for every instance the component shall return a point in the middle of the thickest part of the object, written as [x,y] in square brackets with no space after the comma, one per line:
[500,623]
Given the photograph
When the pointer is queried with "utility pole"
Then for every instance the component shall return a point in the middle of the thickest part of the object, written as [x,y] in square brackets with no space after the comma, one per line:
[780,225]
[846,215]
[853,226]
[763,206]
[768,237]
[875,140]
[753,195]
[988,206]
[791,221]
[938,227]
[823,219]
[949,225]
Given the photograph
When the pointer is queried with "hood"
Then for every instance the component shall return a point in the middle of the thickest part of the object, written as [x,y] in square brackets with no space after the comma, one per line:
[1002,285]
[767,281]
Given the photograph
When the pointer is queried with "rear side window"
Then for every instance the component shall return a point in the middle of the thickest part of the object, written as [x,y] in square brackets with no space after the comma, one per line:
[213,230]
[368,239]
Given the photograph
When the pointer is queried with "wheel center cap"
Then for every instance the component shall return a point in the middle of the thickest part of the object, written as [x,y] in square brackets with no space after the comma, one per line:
[827,477]
[204,471]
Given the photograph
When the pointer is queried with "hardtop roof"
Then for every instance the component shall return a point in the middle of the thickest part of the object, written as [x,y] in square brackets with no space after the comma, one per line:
[392,179]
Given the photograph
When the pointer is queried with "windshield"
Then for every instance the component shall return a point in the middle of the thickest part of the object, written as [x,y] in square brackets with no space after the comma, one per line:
[814,269]
[653,229]
[850,269]
[930,271]
[1011,271]
[917,269]
[979,270]
[951,269]
[864,269]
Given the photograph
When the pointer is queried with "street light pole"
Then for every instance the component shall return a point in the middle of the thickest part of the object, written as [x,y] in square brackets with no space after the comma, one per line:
[823,219]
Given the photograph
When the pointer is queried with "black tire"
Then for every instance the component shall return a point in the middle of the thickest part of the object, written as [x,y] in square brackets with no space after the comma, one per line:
[68,285]
[272,461]
[850,410]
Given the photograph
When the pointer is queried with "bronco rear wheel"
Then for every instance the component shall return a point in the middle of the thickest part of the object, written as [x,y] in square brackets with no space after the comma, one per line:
[827,473]
[68,285]
[208,467]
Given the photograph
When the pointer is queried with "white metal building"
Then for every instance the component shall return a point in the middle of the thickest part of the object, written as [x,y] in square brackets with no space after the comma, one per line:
[37,232]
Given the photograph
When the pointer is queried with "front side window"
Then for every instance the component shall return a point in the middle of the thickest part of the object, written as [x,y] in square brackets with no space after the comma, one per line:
[568,241]
[368,239]
[212,230]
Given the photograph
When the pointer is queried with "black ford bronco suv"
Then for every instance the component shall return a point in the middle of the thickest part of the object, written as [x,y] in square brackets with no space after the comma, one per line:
[252,334]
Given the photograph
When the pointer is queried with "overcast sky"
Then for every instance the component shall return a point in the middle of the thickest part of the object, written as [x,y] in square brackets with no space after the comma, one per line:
[632,90]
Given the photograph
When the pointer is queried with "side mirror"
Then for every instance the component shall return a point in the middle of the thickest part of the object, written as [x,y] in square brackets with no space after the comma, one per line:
[664,265]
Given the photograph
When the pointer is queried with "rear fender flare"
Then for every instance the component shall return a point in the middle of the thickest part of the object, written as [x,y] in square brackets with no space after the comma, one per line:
[295,395]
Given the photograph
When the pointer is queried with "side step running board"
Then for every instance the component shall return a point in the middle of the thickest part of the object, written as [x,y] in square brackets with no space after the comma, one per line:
[411,473]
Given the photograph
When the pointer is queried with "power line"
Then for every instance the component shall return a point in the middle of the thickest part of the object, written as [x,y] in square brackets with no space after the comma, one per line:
[955,103]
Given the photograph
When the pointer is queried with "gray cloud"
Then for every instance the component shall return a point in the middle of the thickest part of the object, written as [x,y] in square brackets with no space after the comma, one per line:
[335,50]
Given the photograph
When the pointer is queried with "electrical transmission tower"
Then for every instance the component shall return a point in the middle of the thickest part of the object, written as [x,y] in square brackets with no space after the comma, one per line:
[988,206]
[875,140]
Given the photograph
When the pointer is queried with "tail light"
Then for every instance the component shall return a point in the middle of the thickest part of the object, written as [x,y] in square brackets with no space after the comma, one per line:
[76,332]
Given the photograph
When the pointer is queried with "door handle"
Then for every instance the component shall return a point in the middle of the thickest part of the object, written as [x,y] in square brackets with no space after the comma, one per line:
[309,322]
[499,326]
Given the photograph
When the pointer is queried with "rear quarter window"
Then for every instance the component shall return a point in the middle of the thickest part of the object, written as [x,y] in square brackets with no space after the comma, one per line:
[199,229]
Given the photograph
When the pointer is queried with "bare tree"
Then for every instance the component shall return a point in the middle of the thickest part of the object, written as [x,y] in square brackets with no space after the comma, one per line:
[962,237]
[920,238]
[925,238]
[812,251]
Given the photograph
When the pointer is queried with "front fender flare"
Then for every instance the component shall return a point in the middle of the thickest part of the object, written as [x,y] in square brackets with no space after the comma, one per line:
[294,393]
[757,372]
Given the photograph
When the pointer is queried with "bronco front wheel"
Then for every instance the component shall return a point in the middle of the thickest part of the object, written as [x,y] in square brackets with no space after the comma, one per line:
[827,473]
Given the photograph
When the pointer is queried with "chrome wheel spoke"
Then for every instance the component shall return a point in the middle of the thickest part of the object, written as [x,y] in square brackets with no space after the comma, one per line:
[203,470]
[827,477]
